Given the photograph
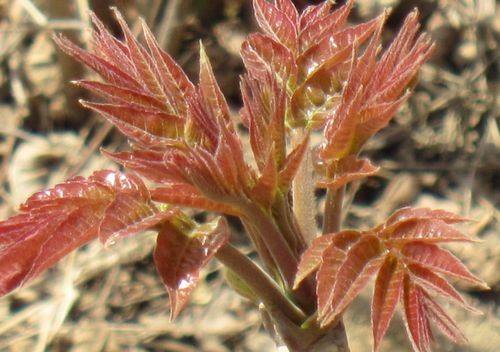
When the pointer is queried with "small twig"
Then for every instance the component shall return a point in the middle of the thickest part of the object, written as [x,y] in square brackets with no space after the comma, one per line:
[167,33]
[34,12]
[60,24]
[93,145]
[84,13]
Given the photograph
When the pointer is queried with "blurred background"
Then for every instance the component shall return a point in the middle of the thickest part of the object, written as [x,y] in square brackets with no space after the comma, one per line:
[442,150]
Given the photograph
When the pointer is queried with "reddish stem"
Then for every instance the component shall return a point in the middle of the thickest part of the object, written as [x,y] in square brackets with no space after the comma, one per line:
[333,210]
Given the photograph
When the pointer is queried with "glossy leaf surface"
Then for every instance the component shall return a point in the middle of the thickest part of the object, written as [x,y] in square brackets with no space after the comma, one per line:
[183,248]
[406,266]
[56,221]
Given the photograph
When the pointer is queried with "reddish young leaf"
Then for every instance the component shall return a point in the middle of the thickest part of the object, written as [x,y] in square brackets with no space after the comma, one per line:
[254,115]
[427,278]
[141,60]
[340,130]
[174,80]
[209,90]
[401,60]
[289,9]
[264,114]
[312,258]
[347,170]
[153,165]
[292,163]
[326,277]
[376,117]
[131,210]
[351,37]
[430,231]
[150,128]
[201,169]
[320,91]
[344,240]
[416,322]
[276,23]
[56,221]
[408,213]
[182,250]
[443,321]
[406,269]
[329,23]
[361,262]
[107,46]
[263,55]
[374,90]
[147,91]
[265,189]
[438,259]
[313,13]
[122,95]
[109,71]
[388,288]
[185,195]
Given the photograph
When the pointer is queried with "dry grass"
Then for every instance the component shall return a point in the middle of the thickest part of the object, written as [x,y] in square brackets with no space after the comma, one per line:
[442,151]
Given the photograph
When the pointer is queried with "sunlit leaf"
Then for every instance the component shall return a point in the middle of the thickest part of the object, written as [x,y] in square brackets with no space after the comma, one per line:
[327,276]
[109,71]
[362,261]
[141,60]
[430,231]
[263,55]
[443,321]
[56,221]
[348,170]
[322,25]
[409,213]
[313,13]
[312,258]
[267,184]
[188,196]
[210,92]
[333,43]
[388,288]
[131,210]
[182,250]
[122,95]
[289,9]
[292,163]
[174,80]
[149,127]
[276,23]
[427,278]
[314,254]
[438,259]
[416,322]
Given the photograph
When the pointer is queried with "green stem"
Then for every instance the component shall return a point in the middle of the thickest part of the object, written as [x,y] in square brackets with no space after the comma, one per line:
[260,246]
[266,229]
[303,186]
[285,219]
[333,210]
[260,283]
